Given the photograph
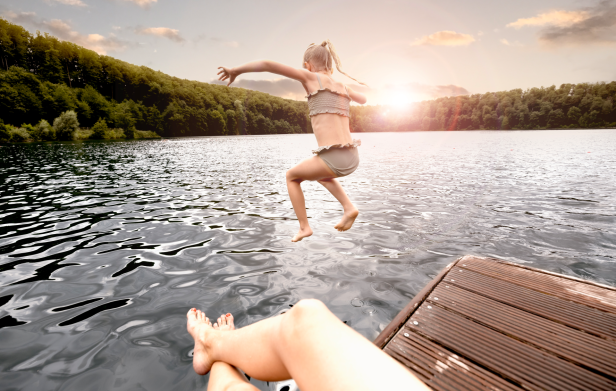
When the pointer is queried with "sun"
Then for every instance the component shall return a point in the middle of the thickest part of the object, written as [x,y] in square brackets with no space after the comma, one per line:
[400,99]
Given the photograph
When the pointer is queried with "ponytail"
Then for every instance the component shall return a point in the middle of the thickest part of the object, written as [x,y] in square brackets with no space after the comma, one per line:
[313,52]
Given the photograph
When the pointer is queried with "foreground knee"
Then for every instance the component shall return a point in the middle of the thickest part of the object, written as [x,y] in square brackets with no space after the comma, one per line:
[302,318]
[309,307]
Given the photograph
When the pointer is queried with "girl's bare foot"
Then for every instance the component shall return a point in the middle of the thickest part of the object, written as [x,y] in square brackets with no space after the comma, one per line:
[199,326]
[225,323]
[303,233]
[347,220]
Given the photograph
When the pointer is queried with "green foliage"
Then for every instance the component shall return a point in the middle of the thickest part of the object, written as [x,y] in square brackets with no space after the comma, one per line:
[5,132]
[130,132]
[99,129]
[568,106]
[19,135]
[42,77]
[32,131]
[145,134]
[66,125]
[45,132]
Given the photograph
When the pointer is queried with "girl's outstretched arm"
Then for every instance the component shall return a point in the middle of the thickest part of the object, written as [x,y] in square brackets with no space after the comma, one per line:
[357,96]
[300,75]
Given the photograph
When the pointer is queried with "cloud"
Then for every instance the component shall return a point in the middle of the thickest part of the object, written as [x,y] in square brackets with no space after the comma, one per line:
[507,43]
[594,25]
[445,38]
[76,3]
[64,31]
[143,3]
[284,88]
[166,32]
[553,18]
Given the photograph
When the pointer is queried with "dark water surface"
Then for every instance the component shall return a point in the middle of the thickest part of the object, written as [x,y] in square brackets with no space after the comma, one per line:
[104,246]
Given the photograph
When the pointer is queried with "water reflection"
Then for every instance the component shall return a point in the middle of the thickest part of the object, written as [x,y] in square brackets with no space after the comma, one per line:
[104,246]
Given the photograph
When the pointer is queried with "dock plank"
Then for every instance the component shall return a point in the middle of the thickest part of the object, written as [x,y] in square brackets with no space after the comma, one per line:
[550,307]
[566,342]
[486,324]
[528,366]
[442,369]
[601,298]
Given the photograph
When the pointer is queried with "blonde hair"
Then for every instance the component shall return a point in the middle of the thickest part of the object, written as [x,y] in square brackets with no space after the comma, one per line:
[321,57]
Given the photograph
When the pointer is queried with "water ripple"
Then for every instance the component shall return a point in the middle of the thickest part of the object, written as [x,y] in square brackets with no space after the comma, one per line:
[104,246]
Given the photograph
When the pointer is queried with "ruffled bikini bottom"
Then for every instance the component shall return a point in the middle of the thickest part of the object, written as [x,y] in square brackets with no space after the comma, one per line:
[342,159]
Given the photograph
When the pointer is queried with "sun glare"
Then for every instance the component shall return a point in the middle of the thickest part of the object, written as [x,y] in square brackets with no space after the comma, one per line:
[400,99]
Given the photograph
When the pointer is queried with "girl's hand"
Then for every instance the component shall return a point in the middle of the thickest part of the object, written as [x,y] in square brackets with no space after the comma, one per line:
[227,73]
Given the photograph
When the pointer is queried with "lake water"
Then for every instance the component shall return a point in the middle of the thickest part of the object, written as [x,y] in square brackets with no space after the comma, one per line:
[104,246]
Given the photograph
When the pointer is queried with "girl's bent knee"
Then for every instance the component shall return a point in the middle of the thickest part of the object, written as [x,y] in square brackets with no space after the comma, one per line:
[291,176]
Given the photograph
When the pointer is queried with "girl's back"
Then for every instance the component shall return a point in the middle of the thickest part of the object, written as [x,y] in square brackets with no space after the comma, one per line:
[329,126]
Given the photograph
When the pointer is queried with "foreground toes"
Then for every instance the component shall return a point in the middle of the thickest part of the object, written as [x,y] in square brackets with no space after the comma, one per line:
[230,321]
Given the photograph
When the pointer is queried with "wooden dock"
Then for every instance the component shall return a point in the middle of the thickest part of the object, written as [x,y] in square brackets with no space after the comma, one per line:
[486,324]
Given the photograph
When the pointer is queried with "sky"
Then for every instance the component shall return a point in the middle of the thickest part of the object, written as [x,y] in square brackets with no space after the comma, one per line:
[405,51]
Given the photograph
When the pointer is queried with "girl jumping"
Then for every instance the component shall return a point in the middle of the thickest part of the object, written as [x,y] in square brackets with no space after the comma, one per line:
[329,103]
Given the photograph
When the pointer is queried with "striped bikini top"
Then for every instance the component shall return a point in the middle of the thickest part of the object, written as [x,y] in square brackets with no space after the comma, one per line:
[327,101]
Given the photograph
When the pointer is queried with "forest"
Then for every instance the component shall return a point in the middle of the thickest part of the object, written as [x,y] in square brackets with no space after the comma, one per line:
[584,105]
[42,78]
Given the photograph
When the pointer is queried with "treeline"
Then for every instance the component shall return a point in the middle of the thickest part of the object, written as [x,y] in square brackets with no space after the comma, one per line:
[569,106]
[42,77]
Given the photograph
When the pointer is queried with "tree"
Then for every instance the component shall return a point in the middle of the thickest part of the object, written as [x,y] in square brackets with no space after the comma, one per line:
[5,132]
[574,114]
[216,123]
[42,77]
[555,118]
[99,129]
[123,118]
[45,131]
[66,125]
[232,124]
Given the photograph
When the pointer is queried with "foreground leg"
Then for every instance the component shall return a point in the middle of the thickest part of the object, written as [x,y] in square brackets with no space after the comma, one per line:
[311,169]
[350,211]
[198,324]
[225,377]
[312,346]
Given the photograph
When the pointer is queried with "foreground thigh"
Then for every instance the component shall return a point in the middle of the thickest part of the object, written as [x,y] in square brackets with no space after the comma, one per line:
[311,169]
[322,353]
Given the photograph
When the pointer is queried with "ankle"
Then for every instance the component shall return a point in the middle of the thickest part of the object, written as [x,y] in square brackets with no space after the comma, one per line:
[349,208]
[209,341]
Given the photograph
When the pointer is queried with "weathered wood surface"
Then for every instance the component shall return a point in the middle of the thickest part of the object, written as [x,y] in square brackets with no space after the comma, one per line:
[486,324]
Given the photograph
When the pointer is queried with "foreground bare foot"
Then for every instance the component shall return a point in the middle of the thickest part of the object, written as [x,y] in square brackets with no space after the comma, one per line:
[303,233]
[199,326]
[347,220]
[225,323]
